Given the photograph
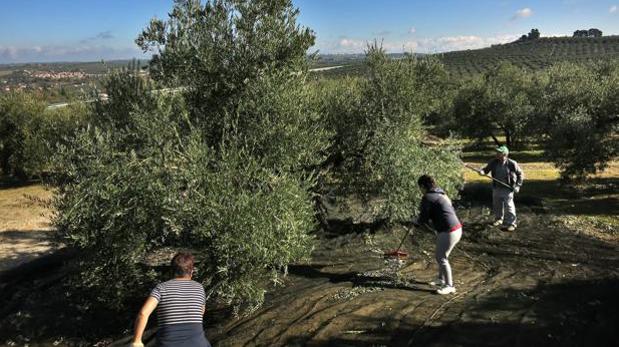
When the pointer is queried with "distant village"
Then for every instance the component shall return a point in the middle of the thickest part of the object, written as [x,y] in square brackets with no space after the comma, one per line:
[54,86]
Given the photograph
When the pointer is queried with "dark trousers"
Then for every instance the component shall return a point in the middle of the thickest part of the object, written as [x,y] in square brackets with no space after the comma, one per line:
[182,335]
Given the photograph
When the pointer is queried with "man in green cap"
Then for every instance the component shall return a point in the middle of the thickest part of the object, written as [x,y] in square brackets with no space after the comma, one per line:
[504,170]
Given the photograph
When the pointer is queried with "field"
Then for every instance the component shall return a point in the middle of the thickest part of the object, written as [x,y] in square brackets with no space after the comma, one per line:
[533,55]
[542,284]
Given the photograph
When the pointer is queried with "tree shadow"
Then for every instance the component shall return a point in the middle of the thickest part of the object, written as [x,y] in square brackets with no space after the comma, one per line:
[34,305]
[10,182]
[573,313]
[20,246]
[357,279]
[338,227]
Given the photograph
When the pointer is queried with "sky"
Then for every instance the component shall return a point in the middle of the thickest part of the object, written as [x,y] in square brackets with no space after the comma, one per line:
[90,30]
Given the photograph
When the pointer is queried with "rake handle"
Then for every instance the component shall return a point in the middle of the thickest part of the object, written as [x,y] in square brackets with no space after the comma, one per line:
[492,178]
[403,239]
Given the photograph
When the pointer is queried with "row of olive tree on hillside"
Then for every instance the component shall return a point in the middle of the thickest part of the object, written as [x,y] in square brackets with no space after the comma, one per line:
[572,109]
[222,150]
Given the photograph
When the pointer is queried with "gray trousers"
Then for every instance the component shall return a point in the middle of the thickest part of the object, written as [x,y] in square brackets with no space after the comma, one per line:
[445,243]
[503,205]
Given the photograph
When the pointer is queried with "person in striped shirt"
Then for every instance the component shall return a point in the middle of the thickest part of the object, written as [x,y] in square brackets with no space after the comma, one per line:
[180,304]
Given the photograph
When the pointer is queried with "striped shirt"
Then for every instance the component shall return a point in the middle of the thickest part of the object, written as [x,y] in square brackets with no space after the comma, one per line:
[180,301]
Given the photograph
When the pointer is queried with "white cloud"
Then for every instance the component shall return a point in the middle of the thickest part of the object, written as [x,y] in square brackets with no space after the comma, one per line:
[613,9]
[422,45]
[347,45]
[462,42]
[523,13]
[405,46]
[412,30]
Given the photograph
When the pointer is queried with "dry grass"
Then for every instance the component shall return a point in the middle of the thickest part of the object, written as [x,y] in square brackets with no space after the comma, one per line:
[534,166]
[19,211]
[24,225]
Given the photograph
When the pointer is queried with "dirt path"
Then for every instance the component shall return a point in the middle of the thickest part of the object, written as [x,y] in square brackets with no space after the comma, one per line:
[24,225]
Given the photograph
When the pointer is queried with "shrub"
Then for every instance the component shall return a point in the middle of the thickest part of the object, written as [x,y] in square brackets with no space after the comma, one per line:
[29,133]
[580,117]
[503,100]
[379,135]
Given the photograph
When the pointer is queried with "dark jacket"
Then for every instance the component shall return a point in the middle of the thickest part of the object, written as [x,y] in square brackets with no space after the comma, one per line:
[437,207]
[515,176]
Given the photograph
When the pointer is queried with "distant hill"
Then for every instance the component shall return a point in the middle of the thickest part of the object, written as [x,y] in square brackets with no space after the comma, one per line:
[532,54]
[93,67]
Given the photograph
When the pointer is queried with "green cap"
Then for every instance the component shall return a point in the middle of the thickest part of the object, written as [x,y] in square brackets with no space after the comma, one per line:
[502,149]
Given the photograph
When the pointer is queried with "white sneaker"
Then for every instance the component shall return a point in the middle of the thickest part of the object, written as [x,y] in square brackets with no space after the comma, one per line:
[437,283]
[497,222]
[446,290]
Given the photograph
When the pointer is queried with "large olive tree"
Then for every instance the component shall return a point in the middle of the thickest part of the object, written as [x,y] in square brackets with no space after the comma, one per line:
[214,153]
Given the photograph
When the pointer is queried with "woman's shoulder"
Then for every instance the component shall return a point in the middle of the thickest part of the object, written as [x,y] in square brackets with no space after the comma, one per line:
[179,286]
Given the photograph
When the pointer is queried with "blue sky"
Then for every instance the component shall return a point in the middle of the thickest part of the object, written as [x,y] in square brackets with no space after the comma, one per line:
[86,30]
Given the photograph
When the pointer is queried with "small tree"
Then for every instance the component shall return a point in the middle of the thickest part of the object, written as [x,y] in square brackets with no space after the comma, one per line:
[534,34]
[379,132]
[580,110]
[593,32]
[29,132]
[502,99]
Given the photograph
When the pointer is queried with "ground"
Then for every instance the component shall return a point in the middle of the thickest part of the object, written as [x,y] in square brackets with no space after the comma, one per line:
[552,282]
[543,284]
[24,224]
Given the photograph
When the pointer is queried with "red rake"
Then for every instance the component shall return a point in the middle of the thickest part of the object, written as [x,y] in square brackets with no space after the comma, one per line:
[398,253]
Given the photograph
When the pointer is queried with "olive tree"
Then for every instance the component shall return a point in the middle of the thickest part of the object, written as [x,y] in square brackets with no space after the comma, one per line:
[580,108]
[20,114]
[215,153]
[29,133]
[378,150]
[502,100]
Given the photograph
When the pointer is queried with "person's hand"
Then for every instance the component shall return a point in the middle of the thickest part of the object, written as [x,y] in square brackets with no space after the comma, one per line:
[136,344]
[481,172]
[516,190]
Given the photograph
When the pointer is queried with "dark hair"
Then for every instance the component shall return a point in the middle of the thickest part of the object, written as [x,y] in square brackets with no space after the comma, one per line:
[182,264]
[427,182]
